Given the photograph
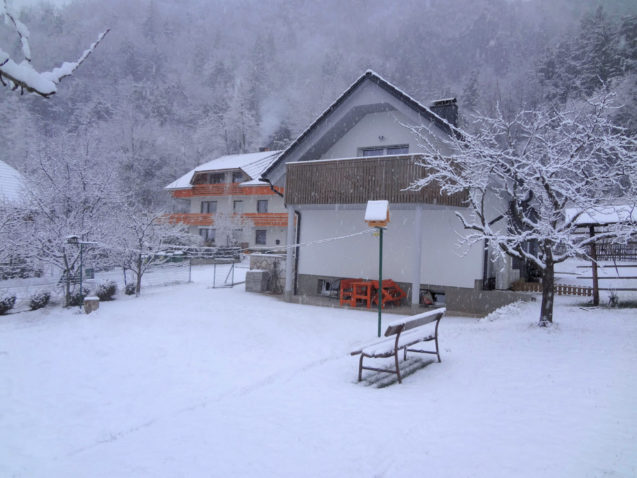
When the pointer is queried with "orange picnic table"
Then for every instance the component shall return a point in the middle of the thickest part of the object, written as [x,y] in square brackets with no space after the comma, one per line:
[354,290]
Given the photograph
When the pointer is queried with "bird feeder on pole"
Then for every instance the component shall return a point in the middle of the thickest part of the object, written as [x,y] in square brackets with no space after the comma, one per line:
[377,215]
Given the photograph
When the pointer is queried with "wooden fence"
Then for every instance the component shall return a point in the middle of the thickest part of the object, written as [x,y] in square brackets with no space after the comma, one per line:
[559,289]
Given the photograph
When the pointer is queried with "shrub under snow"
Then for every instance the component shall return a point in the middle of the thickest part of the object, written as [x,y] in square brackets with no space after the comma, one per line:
[6,303]
[39,300]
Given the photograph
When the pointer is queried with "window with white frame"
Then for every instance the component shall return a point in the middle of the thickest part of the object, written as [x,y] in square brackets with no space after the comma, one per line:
[384,150]
[237,206]
[262,205]
[260,237]
[208,207]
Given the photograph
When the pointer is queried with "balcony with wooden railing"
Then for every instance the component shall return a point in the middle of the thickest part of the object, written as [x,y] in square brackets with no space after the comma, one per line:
[225,189]
[258,219]
[357,180]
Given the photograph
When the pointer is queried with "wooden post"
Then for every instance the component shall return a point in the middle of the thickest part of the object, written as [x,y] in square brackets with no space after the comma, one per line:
[594,264]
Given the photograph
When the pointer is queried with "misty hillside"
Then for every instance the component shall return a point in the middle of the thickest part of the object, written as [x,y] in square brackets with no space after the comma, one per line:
[179,82]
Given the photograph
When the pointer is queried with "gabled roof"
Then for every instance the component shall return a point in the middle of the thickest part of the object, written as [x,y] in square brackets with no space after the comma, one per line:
[12,184]
[374,77]
[252,164]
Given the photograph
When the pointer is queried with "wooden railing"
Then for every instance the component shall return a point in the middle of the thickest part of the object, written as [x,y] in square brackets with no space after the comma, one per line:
[225,189]
[357,180]
[258,219]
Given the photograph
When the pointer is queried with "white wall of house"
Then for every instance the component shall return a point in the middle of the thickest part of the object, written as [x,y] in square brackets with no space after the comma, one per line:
[443,261]
[375,129]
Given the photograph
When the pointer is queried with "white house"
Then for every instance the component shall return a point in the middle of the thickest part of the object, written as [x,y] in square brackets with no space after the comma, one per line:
[360,149]
[229,205]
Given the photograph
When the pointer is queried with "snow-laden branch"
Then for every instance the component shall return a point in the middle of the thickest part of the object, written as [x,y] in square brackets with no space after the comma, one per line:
[23,75]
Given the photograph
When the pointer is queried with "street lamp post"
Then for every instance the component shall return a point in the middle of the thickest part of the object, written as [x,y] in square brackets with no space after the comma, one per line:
[377,215]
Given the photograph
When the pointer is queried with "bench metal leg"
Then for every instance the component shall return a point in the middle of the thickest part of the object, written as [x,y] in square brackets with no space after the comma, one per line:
[360,368]
[397,368]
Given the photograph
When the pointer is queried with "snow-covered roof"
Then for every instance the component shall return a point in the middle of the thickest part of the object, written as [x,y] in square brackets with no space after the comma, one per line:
[12,184]
[603,215]
[252,164]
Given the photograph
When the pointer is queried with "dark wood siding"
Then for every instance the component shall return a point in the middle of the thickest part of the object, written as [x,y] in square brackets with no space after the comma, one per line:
[355,181]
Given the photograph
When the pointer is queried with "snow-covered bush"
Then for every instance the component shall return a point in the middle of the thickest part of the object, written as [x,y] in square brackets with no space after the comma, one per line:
[106,290]
[39,300]
[129,289]
[77,297]
[6,303]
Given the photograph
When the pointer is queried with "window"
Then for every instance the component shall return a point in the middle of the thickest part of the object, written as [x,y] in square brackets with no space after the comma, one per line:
[385,150]
[208,235]
[237,207]
[400,149]
[373,151]
[262,205]
[208,207]
[216,178]
[237,176]
[209,178]
[259,238]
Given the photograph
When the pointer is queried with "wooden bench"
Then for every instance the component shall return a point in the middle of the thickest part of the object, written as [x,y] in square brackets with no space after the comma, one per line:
[402,334]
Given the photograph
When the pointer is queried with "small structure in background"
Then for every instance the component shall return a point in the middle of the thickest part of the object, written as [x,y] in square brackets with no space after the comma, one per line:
[91,303]
[266,274]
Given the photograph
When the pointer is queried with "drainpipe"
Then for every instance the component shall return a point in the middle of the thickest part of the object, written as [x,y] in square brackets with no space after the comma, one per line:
[298,252]
[292,254]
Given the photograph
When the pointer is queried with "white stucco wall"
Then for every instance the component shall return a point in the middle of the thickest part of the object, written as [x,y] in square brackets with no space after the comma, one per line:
[367,132]
[443,261]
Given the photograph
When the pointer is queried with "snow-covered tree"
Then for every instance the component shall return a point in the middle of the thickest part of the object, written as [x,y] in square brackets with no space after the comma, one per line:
[23,75]
[537,165]
[141,239]
[69,194]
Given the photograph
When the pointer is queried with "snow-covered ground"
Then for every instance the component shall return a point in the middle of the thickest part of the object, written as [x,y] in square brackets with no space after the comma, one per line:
[192,381]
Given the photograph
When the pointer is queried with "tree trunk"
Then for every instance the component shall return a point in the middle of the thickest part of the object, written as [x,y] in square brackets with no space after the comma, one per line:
[548,294]
[138,285]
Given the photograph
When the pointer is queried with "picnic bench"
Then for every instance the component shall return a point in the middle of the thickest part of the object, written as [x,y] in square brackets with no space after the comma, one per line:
[402,334]
[353,291]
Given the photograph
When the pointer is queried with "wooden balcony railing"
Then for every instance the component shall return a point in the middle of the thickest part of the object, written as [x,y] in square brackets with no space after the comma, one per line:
[224,189]
[258,219]
[355,181]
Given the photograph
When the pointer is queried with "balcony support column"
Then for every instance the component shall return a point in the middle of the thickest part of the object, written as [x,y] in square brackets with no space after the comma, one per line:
[289,260]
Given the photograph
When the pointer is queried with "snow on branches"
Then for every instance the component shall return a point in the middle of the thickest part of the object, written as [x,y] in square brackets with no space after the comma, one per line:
[521,174]
[23,75]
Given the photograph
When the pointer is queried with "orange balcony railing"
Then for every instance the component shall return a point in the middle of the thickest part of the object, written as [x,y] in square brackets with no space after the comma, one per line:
[225,189]
[258,219]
